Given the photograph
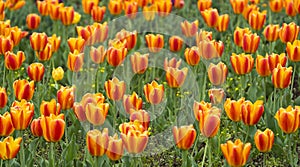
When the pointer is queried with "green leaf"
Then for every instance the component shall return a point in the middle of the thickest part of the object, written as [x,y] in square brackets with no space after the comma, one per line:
[70,151]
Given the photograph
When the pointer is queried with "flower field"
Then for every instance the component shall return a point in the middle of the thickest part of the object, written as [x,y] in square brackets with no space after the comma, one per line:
[149,83]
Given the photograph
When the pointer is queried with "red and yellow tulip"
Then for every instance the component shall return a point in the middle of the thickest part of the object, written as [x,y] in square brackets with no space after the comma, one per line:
[192,55]
[45,54]
[154,92]
[36,128]
[21,114]
[96,114]
[175,77]
[184,136]
[288,119]
[6,44]
[98,13]
[251,113]
[50,107]
[238,5]
[288,32]
[36,71]
[115,148]
[276,5]
[275,59]
[38,41]
[76,44]
[209,121]
[250,43]
[132,102]
[238,35]
[65,97]
[293,50]
[130,37]
[130,9]
[233,109]
[33,21]
[42,7]
[200,107]
[141,116]
[264,140]
[23,89]
[271,32]
[263,66]
[281,76]
[116,53]
[164,7]
[210,17]
[189,29]
[115,89]
[88,5]
[257,19]
[7,127]
[53,127]
[139,62]
[75,61]
[217,73]
[9,147]
[216,96]
[14,61]
[175,43]
[223,22]
[154,42]
[204,4]
[3,97]
[242,63]
[115,7]
[98,54]
[54,41]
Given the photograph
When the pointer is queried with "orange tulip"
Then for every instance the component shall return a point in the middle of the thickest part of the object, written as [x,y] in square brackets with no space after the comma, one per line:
[132,102]
[21,114]
[96,114]
[200,107]
[115,7]
[33,21]
[233,109]
[251,113]
[154,92]
[99,33]
[140,115]
[79,111]
[238,6]
[50,107]
[75,61]
[204,4]
[3,97]
[164,7]
[174,63]
[76,44]
[4,26]
[175,77]
[84,32]
[54,9]
[290,8]
[257,19]
[155,42]
[264,140]
[297,5]
[6,44]
[38,41]
[36,128]
[250,43]
[238,35]
[67,15]
[9,147]
[53,127]
[210,49]
[65,97]
[130,9]
[15,4]
[275,59]
[276,5]
[184,136]
[23,89]
[128,126]
[57,73]
[36,71]
[288,32]
[115,148]
[288,119]
[98,13]
[248,9]
[15,34]
[178,4]
[88,5]
[209,121]
[281,76]
[223,22]
[98,54]
[271,32]
[242,63]
[175,43]
[237,153]
[130,37]
[262,66]
[14,61]
[149,12]
[293,50]
[116,53]
[45,54]
[203,36]
[210,17]
[54,41]
[189,29]
[115,89]
[7,127]
[42,7]
[217,73]
[216,96]
[139,62]
[192,55]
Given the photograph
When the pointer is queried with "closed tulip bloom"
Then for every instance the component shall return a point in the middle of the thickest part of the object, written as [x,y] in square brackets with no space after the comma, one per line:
[175,77]
[154,92]
[164,7]
[140,115]
[7,127]
[290,8]
[14,61]
[184,136]
[3,97]
[237,153]
[33,21]
[38,41]
[154,42]
[115,7]
[65,97]
[132,102]
[257,19]
[288,32]
[139,62]
[223,22]
[54,10]
[149,12]
[6,44]
[76,44]
[130,37]
[75,61]
[115,148]
[58,74]
[250,43]
[9,148]
[276,5]
[42,7]
[262,66]
[288,119]
[53,127]
[98,13]
[189,29]
[36,71]
[264,140]
[130,9]
[99,34]
[21,114]
[233,109]
[174,63]
[275,59]
[15,34]
[54,41]
[23,89]
[98,54]
[199,107]
[204,4]
[238,35]
[251,113]
[192,55]
[210,49]
[217,73]
[281,76]
[248,9]
[238,6]
[210,17]
[79,111]
[67,15]
[116,53]
[45,54]
[293,50]
[84,32]
[216,96]
[36,128]
[209,121]
[88,5]
[271,32]
[96,114]
[50,107]
[203,36]
[175,43]
[115,89]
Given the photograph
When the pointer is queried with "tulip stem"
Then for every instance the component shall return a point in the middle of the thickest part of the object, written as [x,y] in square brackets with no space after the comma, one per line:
[292,85]
[209,151]
[265,98]
[51,155]
[22,158]
[265,159]
[247,133]
[185,158]
[1,162]
[4,70]
[290,149]
[203,159]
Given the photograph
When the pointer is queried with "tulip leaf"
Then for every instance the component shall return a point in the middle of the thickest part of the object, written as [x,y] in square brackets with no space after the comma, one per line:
[69,151]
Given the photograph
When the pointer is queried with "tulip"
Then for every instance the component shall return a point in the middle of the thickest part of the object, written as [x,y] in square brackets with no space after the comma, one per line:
[15,34]
[275,59]
[130,37]
[210,17]
[184,136]
[192,55]
[164,7]
[130,9]
[251,113]
[297,5]
[290,8]
[238,6]
[210,49]
[21,114]
[175,43]
[53,127]
[99,33]
[79,111]
[248,9]
[216,96]
[88,5]
[223,22]
[209,121]
[38,41]
[3,97]
[14,61]
[262,66]
[237,153]
[116,53]
[200,107]
[174,63]
[115,89]
[189,29]
[54,11]
[132,102]
[57,73]
[250,43]
[217,73]
[6,44]
[36,71]
[242,63]
[233,109]
[45,54]
[128,126]
[23,89]
[33,21]
[4,26]
[154,92]
[65,97]
[288,32]
[264,140]
[98,54]
[98,13]
[271,32]
[115,148]
[42,7]
[50,107]
[257,19]
[54,41]
[140,115]
[76,44]
[288,119]
[115,7]
[85,32]
[9,147]
[155,42]
[77,18]
[7,127]
[276,5]
[178,4]
[139,62]
[238,35]
[67,15]
[293,50]
[97,114]
[36,128]
[203,36]
[204,4]
[75,61]
[149,12]
[15,4]
[281,76]
[175,77]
